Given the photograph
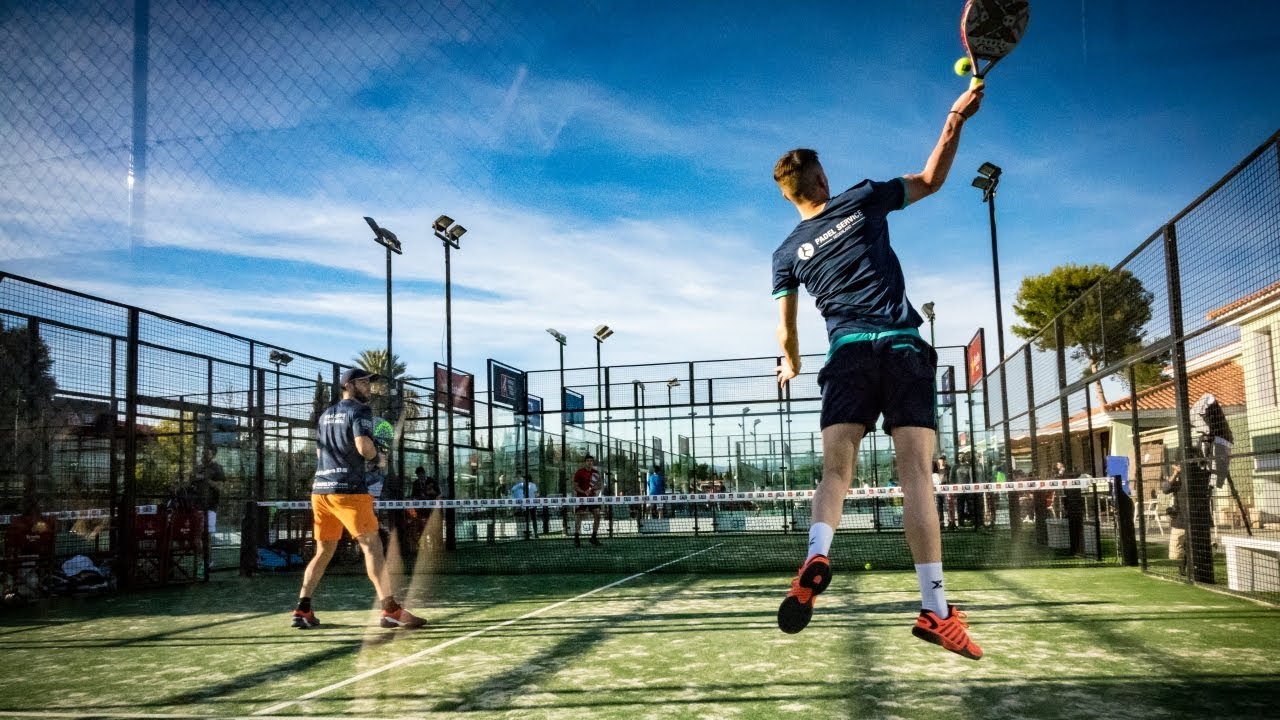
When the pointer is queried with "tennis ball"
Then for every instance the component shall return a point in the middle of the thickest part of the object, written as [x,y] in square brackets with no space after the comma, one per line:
[867,566]
[963,66]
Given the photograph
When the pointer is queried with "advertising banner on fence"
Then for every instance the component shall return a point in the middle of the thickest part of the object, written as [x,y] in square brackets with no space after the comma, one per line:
[508,385]
[574,404]
[464,390]
[535,412]
[975,360]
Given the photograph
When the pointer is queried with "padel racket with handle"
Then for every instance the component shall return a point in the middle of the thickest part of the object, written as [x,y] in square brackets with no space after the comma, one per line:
[990,30]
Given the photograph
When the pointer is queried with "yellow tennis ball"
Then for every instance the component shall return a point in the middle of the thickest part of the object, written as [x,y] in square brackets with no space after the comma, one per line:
[867,566]
[963,66]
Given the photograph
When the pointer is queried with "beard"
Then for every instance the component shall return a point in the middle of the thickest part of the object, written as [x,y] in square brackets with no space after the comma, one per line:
[359,394]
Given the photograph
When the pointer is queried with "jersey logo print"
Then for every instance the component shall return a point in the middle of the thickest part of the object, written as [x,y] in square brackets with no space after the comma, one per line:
[805,251]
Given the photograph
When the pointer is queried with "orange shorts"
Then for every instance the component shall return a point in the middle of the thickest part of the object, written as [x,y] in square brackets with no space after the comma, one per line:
[336,511]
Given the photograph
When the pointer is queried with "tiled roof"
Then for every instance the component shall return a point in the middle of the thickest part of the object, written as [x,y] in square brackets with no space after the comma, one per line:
[1272,289]
[1225,379]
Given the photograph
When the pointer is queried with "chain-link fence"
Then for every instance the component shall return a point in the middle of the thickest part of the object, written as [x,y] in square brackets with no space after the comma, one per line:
[1165,373]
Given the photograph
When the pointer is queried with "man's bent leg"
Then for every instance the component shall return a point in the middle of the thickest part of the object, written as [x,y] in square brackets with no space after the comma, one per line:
[375,563]
[303,615]
[315,569]
[839,459]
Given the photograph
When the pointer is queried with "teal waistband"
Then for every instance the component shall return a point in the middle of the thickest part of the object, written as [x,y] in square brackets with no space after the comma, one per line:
[868,337]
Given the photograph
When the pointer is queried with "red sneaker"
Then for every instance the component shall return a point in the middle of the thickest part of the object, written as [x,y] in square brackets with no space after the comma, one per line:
[797,608]
[401,619]
[951,633]
[305,620]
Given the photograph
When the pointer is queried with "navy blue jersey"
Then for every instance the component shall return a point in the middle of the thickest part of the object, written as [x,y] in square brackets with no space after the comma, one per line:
[339,466]
[842,257]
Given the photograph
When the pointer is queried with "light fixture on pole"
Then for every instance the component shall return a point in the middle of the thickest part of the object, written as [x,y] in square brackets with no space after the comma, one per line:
[638,393]
[987,181]
[927,309]
[562,341]
[279,359]
[388,240]
[742,449]
[449,233]
[671,383]
[602,333]
[755,425]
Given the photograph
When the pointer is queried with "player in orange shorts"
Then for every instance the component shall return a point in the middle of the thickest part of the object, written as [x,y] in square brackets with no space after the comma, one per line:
[340,500]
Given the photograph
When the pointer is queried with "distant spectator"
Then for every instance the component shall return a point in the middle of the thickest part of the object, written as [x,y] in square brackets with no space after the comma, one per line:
[656,485]
[526,489]
[1177,519]
[587,483]
[205,479]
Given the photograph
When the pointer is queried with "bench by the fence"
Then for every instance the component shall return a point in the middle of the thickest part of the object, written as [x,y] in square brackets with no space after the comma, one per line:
[1253,563]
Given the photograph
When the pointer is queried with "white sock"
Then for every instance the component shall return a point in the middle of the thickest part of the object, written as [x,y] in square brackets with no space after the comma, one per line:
[820,535]
[932,595]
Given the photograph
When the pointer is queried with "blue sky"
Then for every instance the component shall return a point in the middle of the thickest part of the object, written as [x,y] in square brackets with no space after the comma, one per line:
[611,159]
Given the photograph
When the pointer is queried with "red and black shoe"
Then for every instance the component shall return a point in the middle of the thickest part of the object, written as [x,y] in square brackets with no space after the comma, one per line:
[951,633]
[797,608]
[305,620]
[401,619]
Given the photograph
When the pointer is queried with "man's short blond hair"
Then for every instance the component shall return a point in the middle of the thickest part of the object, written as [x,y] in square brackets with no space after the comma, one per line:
[799,175]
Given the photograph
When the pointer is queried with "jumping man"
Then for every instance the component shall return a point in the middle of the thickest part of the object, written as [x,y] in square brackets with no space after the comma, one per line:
[877,363]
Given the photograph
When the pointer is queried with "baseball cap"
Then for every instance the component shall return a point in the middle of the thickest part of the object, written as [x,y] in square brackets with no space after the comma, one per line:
[351,375]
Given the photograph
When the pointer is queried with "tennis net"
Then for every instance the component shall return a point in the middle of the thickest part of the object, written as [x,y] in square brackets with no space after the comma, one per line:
[985,525]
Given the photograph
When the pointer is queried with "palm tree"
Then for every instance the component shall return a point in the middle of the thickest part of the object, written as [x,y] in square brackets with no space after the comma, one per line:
[376,361]
[383,402]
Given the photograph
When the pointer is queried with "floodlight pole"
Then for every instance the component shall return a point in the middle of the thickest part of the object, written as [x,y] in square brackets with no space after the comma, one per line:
[993,174]
[449,233]
[670,422]
[561,340]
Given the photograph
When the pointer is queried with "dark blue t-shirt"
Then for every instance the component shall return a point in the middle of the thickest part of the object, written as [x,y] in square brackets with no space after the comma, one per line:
[339,466]
[842,257]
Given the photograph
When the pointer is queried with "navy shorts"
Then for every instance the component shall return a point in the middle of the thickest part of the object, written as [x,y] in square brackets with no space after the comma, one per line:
[893,376]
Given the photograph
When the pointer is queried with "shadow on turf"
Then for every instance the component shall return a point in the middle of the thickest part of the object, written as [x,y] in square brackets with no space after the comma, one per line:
[1229,696]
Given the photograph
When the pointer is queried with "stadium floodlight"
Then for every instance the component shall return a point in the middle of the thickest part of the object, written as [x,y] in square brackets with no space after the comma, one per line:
[279,358]
[603,333]
[561,340]
[384,237]
[388,240]
[991,173]
[448,233]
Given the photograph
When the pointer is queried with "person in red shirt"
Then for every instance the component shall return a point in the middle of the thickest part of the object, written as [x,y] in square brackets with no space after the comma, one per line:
[586,483]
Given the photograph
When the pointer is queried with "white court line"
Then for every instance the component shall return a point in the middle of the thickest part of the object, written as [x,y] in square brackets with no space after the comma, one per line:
[475,633]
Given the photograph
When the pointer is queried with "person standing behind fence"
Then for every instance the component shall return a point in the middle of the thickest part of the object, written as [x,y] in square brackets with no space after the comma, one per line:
[1177,519]
[877,363]
[656,486]
[586,483]
[526,489]
[205,482]
[340,499]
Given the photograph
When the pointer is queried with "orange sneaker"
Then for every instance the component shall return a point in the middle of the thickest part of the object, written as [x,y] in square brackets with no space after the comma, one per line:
[797,608]
[951,633]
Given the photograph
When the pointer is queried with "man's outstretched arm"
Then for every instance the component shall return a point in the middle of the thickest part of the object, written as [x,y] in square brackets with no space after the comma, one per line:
[930,180]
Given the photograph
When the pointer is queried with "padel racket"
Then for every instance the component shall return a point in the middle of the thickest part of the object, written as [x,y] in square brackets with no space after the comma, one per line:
[990,30]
